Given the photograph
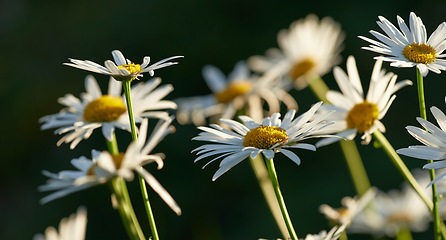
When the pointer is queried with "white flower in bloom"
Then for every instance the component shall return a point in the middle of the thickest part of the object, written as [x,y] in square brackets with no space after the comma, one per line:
[72,228]
[434,140]
[103,167]
[122,69]
[350,208]
[410,47]
[309,48]
[93,110]
[239,90]
[390,212]
[353,113]
[251,139]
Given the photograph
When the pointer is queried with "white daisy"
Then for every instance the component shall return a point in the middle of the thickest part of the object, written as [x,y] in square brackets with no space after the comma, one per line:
[93,110]
[122,69]
[250,138]
[434,140]
[308,48]
[103,167]
[390,212]
[239,90]
[410,47]
[354,114]
[350,208]
[72,228]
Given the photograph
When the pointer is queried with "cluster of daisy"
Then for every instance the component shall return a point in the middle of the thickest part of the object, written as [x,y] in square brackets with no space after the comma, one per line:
[244,113]
[108,112]
[308,50]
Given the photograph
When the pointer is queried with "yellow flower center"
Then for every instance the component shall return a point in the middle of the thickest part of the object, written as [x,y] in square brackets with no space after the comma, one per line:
[117,160]
[104,109]
[420,53]
[132,68]
[301,68]
[264,137]
[362,116]
[235,89]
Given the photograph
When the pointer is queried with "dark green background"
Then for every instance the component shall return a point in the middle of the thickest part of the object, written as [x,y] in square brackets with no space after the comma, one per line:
[36,37]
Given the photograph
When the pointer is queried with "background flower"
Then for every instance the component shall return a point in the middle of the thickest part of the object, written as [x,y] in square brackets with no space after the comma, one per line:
[309,48]
[72,228]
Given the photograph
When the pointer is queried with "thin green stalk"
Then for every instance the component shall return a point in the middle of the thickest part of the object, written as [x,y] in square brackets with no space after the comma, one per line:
[142,183]
[404,234]
[125,208]
[352,157]
[128,99]
[436,214]
[402,168]
[355,166]
[399,164]
[115,188]
[259,168]
[273,177]
[261,173]
[319,88]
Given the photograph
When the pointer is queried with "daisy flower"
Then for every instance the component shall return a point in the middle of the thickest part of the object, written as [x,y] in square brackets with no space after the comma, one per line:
[434,140]
[390,212]
[251,139]
[93,110]
[72,228]
[239,90]
[309,48]
[122,69]
[103,167]
[353,113]
[410,47]
[350,208]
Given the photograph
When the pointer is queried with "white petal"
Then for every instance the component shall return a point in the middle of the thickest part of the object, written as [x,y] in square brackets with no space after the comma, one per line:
[291,155]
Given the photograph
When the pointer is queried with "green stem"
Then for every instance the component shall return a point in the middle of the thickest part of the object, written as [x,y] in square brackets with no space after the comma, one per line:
[142,183]
[402,168]
[404,234]
[115,188]
[128,99]
[355,166]
[125,208]
[319,88]
[399,164]
[258,165]
[435,212]
[352,157]
[273,177]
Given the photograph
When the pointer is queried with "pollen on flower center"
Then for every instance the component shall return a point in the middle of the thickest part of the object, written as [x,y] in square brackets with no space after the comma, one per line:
[362,116]
[264,137]
[104,109]
[117,160]
[420,53]
[235,89]
[132,68]
[301,68]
